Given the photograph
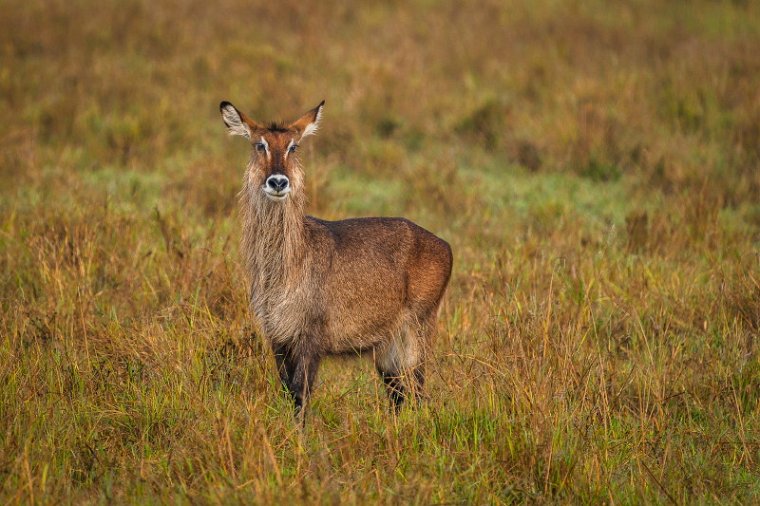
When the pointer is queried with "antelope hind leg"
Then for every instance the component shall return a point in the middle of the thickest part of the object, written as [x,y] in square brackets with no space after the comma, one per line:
[400,364]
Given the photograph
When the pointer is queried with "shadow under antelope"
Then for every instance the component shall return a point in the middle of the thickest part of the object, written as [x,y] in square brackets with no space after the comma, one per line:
[321,288]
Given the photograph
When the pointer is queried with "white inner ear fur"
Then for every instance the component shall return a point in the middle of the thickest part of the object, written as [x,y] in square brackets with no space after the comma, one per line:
[312,127]
[235,124]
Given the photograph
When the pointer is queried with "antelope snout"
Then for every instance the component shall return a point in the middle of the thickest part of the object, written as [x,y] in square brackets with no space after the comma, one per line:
[277,186]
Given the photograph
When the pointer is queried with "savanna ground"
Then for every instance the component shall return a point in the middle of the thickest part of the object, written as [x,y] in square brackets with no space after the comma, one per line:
[595,168]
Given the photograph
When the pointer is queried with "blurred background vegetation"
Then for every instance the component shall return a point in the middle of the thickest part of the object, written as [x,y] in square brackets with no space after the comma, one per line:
[595,166]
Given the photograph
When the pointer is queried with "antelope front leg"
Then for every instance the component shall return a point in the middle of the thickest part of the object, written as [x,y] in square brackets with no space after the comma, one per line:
[284,367]
[305,372]
[298,370]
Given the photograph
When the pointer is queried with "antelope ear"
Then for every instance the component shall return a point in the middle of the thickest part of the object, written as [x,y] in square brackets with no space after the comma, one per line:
[237,122]
[309,122]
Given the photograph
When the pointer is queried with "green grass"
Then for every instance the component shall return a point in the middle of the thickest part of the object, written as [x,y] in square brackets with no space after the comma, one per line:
[594,167]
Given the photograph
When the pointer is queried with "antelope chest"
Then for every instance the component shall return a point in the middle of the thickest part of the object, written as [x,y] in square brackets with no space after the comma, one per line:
[282,314]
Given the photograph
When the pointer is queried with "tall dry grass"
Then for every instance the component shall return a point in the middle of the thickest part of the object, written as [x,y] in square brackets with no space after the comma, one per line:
[594,166]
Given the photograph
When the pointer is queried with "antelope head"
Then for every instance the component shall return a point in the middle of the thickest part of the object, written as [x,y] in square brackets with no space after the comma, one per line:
[274,166]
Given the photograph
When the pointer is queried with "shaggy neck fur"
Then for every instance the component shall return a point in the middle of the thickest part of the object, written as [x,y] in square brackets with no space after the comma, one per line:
[273,245]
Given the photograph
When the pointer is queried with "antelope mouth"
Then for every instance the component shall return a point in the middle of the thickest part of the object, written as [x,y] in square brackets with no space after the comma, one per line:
[277,196]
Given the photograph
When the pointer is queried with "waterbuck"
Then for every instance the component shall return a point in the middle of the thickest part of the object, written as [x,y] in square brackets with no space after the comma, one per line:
[321,288]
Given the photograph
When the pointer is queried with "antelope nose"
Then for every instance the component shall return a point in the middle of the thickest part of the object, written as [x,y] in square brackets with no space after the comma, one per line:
[277,183]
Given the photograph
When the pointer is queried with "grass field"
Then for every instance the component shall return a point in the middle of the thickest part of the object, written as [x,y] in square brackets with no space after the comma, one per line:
[594,165]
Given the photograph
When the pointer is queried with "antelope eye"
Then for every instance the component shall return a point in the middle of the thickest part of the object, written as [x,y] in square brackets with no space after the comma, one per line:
[260,147]
[292,148]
